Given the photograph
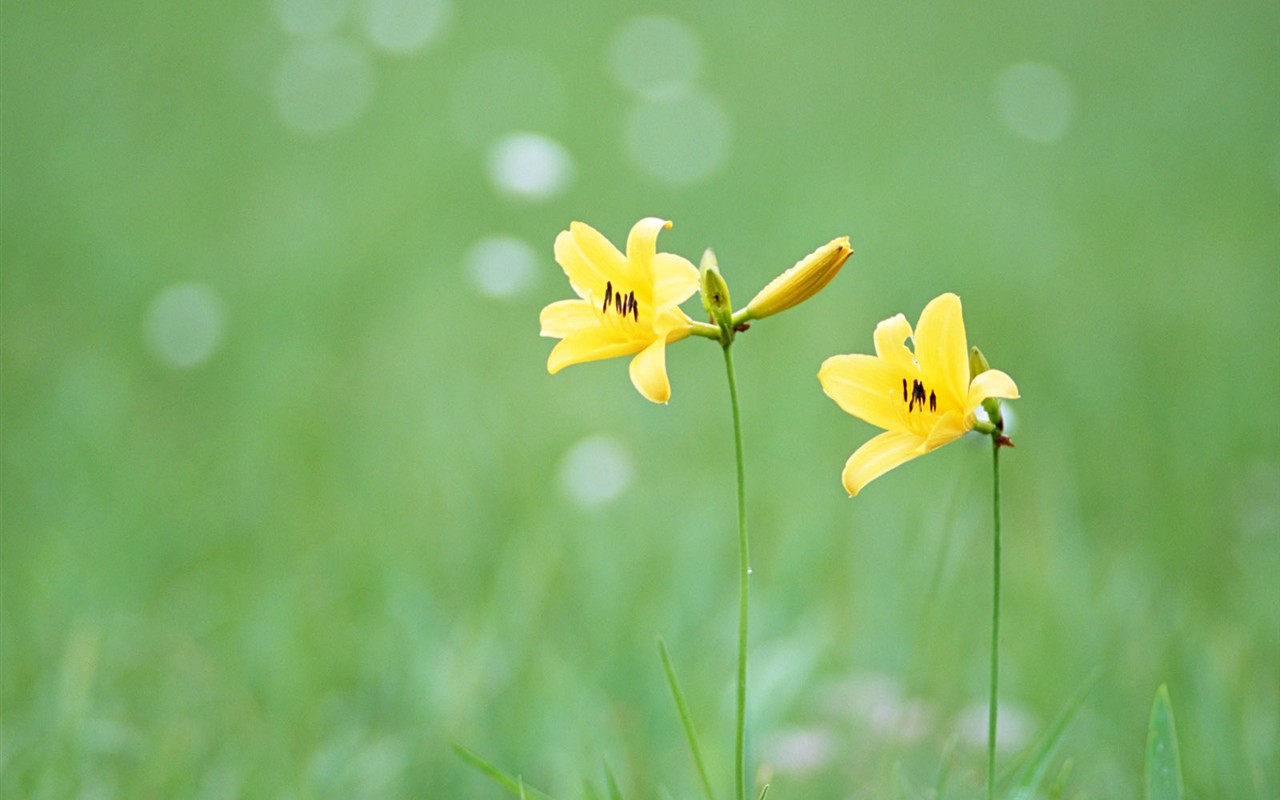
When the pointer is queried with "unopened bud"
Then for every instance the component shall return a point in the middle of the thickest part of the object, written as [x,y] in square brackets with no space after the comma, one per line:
[802,281]
[978,364]
[715,296]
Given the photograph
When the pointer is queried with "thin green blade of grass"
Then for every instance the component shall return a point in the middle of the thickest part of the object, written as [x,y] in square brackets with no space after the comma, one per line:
[1059,785]
[514,785]
[1036,765]
[685,719]
[764,792]
[944,769]
[520,779]
[1164,764]
[614,792]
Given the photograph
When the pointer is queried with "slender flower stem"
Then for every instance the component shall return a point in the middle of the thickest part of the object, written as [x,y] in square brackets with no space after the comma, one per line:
[744,573]
[995,624]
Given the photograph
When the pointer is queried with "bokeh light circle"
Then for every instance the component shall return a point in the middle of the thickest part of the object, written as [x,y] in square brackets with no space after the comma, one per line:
[530,166]
[405,26]
[323,85]
[184,324]
[1035,101]
[502,266]
[310,17]
[595,471]
[655,55]
[679,138]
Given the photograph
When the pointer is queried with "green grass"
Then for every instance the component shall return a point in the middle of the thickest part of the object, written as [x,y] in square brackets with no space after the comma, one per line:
[309,564]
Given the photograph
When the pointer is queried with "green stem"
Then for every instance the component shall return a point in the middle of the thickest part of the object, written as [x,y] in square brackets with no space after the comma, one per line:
[995,624]
[744,573]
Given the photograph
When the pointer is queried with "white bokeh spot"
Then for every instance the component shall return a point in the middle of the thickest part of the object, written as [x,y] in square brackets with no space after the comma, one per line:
[655,55]
[323,85]
[502,266]
[405,26]
[310,17]
[680,138]
[1036,101]
[1014,726]
[185,324]
[596,471]
[530,166]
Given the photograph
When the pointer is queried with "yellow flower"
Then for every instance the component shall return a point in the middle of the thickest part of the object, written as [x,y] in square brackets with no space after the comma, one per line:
[627,304]
[809,275]
[922,400]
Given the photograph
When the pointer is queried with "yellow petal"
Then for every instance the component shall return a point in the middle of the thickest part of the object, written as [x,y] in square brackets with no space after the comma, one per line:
[673,324]
[878,456]
[587,277]
[564,317]
[891,337]
[642,243]
[942,350]
[590,345]
[949,427]
[674,279]
[649,372]
[600,253]
[992,383]
[867,387]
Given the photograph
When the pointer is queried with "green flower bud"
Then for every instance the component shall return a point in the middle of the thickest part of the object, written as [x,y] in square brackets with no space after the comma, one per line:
[978,364]
[715,296]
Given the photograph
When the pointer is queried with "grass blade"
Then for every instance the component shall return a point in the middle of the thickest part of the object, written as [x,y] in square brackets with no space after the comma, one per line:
[614,792]
[685,720]
[514,785]
[944,769]
[1164,766]
[764,793]
[1037,762]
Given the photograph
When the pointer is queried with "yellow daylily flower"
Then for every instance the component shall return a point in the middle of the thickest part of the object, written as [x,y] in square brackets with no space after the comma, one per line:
[922,400]
[627,304]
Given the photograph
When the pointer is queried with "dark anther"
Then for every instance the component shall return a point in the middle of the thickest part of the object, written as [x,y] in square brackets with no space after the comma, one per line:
[904,390]
[917,395]
[933,402]
[608,295]
[635,307]
[617,303]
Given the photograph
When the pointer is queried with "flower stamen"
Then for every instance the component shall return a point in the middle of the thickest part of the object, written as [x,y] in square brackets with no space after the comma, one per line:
[918,396]
[624,305]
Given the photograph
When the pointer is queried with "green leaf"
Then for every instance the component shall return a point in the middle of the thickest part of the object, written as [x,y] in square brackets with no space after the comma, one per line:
[685,719]
[944,769]
[514,785]
[1164,766]
[764,792]
[1036,764]
[614,792]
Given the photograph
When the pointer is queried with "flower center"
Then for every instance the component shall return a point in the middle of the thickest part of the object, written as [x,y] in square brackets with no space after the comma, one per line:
[623,304]
[917,395]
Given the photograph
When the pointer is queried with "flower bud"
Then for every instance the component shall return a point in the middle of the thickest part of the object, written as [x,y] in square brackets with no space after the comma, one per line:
[978,364]
[715,296]
[802,281]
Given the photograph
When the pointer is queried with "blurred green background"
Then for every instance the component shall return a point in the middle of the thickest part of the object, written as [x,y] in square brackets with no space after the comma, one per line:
[290,502]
